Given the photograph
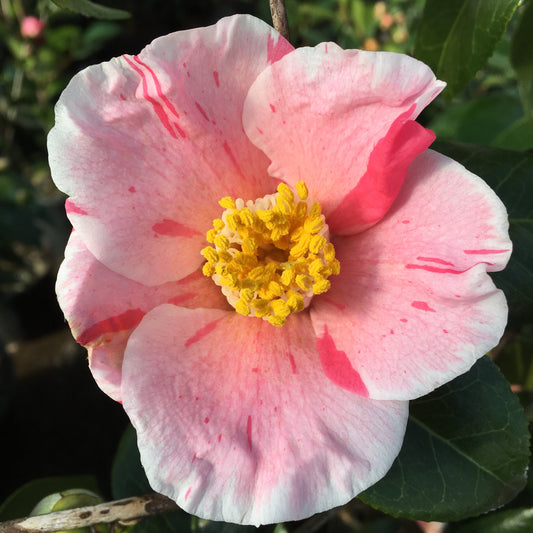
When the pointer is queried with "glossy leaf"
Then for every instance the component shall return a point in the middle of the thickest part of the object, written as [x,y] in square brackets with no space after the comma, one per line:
[509,174]
[511,521]
[90,9]
[456,37]
[522,58]
[465,452]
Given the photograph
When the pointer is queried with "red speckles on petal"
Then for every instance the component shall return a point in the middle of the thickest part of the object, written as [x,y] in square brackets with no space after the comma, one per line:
[293,363]
[206,420]
[202,111]
[201,333]
[485,251]
[434,270]
[132,189]
[219,437]
[434,260]
[180,298]
[406,221]
[217,80]
[127,320]
[71,207]
[171,228]
[122,97]
[188,493]
[423,306]
[249,431]
[337,366]
[404,320]
[272,108]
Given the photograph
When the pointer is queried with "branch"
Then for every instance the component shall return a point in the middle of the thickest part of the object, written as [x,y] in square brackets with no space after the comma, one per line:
[279,17]
[128,510]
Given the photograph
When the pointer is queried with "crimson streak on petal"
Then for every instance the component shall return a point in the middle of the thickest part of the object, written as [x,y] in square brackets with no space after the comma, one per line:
[337,366]
[127,320]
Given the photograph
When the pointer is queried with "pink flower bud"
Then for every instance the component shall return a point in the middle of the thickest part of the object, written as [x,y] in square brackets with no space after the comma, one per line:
[31,27]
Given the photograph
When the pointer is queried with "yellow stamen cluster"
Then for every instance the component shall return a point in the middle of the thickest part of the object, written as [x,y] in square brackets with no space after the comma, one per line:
[272,255]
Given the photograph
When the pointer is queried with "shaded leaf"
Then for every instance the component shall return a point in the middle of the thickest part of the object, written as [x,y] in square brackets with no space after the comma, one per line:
[517,136]
[509,174]
[90,9]
[465,451]
[455,38]
[522,58]
[511,521]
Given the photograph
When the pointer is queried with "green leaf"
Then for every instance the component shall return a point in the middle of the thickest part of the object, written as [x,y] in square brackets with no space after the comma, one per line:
[455,38]
[90,9]
[478,121]
[522,58]
[509,174]
[511,521]
[21,502]
[465,451]
[517,136]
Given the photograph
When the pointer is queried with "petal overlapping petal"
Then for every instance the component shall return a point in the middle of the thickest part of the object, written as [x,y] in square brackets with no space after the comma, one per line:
[414,306]
[258,434]
[342,121]
[103,307]
[146,146]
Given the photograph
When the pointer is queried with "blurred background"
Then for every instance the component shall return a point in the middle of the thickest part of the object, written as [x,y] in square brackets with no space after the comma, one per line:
[54,421]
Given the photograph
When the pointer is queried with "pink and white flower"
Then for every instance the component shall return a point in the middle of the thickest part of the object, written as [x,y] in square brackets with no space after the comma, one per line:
[239,420]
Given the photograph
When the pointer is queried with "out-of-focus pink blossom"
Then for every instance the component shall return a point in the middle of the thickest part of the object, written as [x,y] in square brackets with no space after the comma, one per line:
[273,417]
[31,27]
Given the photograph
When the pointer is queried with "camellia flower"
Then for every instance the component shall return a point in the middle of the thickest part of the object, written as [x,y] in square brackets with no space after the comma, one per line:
[267,261]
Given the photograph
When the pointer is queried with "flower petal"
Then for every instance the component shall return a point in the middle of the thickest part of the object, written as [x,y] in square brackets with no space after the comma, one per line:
[413,306]
[146,145]
[245,427]
[103,307]
[338,119]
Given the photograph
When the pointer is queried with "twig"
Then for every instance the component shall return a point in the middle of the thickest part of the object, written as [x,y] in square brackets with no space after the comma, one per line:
[124,511]
[279,17]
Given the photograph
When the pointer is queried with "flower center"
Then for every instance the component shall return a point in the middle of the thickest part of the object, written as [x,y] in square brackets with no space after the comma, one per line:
[271,255]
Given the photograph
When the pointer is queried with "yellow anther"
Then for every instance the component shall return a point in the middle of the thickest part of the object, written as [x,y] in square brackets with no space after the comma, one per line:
[301,189]
[276,320]
[304,282]
[329,252]
[208,269]
[270,256]
[295,301]
[321,286]
[249,245]
[301,247]
[313,225]
[247,295]
[287,277]
[221,242]
[280,308]
[227,202]
[210,254]
[315,211]
[246,216]
[335,266]
[242,307]
[225,256]
[285,191]
[317,243]
[257,273]
[232,221]
[218,224]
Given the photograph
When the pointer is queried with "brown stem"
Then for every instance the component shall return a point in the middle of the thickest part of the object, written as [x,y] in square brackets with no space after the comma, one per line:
[128,510]
[279,17]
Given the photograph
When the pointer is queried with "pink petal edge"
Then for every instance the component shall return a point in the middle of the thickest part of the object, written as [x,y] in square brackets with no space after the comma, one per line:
[245,427]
